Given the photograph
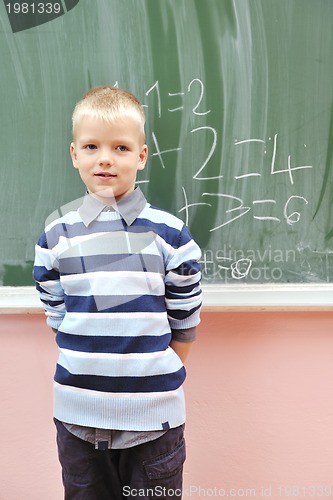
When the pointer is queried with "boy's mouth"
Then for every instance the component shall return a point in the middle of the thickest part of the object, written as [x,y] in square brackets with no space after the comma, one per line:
[104,175]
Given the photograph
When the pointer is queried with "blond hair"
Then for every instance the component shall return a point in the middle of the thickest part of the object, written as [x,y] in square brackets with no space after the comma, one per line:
[108,103]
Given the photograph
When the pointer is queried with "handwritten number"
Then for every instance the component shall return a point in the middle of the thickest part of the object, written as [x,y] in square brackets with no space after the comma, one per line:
[294,216]
[290,169]
[210,154]
[202,90]
[239,207]
[157,88]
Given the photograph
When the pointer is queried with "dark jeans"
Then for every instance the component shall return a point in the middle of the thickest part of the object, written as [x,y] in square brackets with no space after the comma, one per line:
[152,470]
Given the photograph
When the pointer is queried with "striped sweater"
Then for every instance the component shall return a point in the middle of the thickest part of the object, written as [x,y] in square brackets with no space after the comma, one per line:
[114,288]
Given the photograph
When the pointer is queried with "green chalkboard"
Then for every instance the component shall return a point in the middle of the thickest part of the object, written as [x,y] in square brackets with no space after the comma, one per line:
[239,103]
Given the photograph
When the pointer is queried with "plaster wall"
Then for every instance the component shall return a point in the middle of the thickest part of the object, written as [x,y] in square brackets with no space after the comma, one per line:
[259,403]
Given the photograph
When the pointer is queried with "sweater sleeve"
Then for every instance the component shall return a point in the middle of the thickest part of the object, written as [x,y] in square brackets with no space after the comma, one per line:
[182,283]
[47,279]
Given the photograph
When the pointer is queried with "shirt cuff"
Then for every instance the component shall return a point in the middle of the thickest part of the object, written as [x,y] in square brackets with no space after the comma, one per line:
[184,335]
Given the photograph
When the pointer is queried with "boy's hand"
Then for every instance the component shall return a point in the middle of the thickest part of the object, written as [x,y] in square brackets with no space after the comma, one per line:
[181,348]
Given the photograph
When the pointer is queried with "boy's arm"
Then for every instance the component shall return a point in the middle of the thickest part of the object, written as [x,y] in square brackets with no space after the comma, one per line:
[47,278]
[183,294]
[182,341]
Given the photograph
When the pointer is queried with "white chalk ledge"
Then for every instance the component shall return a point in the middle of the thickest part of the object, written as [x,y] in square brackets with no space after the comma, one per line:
[284,297]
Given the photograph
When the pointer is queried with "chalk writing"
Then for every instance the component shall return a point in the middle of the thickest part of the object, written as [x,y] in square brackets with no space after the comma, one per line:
[159,153]
[226,207]
[210,154]
[289,169]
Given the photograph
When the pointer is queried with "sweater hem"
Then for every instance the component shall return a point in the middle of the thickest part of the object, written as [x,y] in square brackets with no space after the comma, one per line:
[130,412]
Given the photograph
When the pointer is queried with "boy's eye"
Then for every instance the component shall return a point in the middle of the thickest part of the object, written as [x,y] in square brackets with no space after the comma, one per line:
[91,146]
[122,148]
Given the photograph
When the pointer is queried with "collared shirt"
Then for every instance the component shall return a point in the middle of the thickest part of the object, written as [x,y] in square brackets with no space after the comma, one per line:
[104,439]
[129,209]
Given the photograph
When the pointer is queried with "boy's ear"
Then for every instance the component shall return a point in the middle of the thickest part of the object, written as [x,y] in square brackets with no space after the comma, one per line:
[143,157]
[73,155]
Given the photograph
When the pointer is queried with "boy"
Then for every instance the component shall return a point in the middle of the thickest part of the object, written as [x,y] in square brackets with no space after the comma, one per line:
[119,281]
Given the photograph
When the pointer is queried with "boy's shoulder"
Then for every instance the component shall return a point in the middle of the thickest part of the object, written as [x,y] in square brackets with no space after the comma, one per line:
[66,214]
[158,215]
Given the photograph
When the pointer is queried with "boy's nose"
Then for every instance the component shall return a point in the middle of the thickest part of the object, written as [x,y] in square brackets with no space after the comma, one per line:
[106,159]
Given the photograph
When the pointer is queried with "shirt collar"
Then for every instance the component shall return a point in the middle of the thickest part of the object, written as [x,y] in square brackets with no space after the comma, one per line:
[128,207]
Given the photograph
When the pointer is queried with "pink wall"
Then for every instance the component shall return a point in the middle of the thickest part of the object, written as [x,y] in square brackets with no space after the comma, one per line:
[259,396]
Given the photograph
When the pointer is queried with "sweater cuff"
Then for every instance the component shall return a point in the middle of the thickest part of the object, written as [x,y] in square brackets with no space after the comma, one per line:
[184,335]
[54,322]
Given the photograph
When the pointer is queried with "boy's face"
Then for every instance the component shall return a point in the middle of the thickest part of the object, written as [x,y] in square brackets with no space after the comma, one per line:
[108,156]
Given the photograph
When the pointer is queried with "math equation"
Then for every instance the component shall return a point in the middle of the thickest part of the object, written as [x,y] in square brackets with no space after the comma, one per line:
[225,188]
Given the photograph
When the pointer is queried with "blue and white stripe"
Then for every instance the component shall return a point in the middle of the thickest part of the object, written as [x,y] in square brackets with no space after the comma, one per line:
[114,293]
